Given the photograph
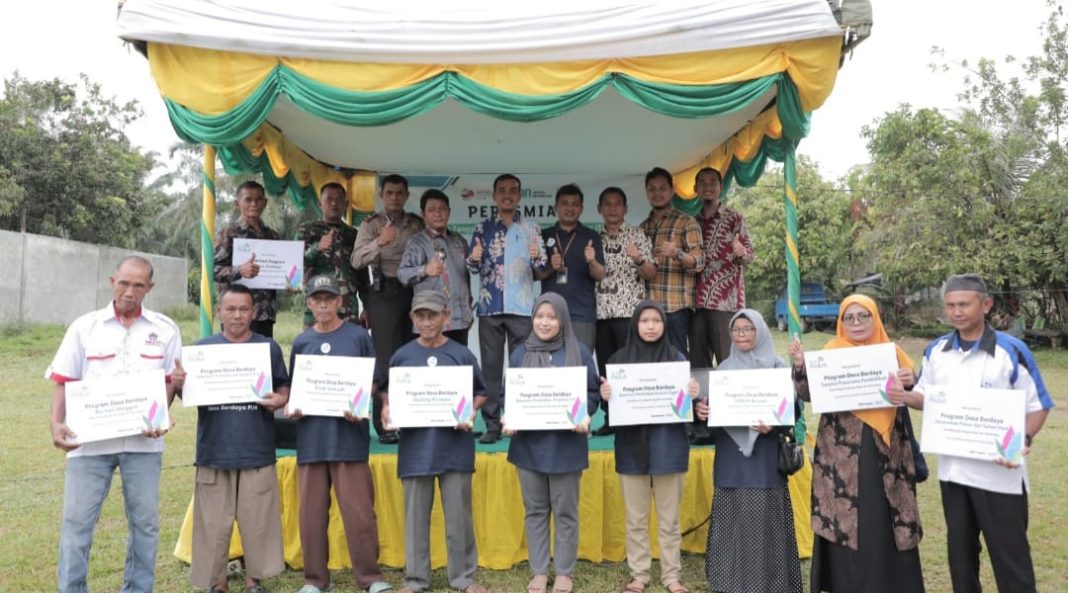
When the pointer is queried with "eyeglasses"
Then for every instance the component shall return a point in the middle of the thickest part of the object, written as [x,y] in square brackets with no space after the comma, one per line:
[856,318]
[743,331]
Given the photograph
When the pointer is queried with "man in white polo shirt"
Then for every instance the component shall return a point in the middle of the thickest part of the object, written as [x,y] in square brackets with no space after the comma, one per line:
[988,497]
[122,338]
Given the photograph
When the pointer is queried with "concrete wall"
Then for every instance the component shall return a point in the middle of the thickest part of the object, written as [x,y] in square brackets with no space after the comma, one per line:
[50,280]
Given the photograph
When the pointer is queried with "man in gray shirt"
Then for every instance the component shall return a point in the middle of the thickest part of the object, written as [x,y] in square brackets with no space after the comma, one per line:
[435,259]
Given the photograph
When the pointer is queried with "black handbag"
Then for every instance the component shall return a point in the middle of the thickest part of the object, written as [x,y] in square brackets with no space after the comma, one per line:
[791,453]
[922,472]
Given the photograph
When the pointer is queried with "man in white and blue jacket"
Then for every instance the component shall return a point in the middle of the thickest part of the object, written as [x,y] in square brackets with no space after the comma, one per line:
[979,496]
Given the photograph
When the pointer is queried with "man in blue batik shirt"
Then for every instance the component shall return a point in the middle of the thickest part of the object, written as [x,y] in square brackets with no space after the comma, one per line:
[505,253]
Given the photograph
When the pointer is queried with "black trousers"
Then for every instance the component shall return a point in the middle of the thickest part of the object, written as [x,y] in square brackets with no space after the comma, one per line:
[263,328]
[710,336]
[457,335]
[391,328]
[611,336]
[1002,519]
[493,332]
[678,330]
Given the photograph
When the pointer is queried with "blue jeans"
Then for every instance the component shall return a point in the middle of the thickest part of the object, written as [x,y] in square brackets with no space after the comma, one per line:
[88,481]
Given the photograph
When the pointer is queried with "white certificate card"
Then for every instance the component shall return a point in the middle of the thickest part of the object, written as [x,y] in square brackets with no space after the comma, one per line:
[649,393]
[431,396]
[332,385]
[749,397]
[217,374]
[975,423]
[281,263]
[846,379]
[545,398]
[119,406]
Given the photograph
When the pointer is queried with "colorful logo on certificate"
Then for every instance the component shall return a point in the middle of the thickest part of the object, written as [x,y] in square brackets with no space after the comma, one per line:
[154,418]
[261,387]
[780,412]
[1010,447]
[682,406]
[578,414]
[464,413]
[885,391]
[293,277]
[360,404]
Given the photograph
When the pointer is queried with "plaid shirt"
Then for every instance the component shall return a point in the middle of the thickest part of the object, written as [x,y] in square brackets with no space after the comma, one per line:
[721,284]
[673,285]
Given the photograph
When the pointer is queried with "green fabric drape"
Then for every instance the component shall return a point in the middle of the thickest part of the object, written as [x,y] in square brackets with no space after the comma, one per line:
[795,126]
[228,130]
[387,107]
[237,159]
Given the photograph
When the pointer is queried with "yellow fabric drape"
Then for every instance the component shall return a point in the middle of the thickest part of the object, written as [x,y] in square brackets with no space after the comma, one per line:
[213,82]
[286,157]
[363,190]
[743,146]
[498,513]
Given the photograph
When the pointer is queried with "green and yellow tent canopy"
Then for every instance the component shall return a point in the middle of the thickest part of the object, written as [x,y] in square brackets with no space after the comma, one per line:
[312,92]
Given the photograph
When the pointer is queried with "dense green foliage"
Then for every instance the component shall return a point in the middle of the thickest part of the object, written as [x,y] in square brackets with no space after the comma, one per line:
[981,191]
[67,168]
[825,237]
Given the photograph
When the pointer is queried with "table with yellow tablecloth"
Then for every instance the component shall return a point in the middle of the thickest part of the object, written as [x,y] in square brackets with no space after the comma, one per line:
[498,513]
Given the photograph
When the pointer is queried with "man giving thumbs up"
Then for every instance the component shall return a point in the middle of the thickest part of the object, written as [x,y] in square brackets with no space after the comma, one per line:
[577,260]
[506,252]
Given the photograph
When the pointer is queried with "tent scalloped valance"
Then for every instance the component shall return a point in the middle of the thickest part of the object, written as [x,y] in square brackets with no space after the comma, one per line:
[213,82]
[381,108]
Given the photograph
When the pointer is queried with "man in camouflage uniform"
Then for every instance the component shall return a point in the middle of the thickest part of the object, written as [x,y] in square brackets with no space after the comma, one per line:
[251,201]
[380,244]
[328,251]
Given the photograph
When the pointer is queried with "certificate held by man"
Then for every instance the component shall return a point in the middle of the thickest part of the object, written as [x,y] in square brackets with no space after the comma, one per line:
[846,379]
[218,374]
[545,398]
[421,397]
[281,263]
[118,406]
[649,393]
[332,385]
[975,423]
[751,397]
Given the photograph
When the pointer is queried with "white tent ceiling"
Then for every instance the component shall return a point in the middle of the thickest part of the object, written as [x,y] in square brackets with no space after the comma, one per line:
[454,139]
[473,31]
[610,135]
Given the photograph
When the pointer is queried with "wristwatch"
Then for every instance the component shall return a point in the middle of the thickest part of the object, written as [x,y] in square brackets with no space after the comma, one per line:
[1028,439]
[680,254]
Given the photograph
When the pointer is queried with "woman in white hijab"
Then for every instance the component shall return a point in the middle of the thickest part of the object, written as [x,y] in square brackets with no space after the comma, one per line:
[751,540]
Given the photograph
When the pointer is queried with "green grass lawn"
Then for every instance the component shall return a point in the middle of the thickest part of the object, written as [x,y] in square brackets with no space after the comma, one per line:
[31,487]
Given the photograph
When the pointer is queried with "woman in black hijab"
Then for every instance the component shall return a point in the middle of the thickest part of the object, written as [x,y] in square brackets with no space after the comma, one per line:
[652,460]
[550,462]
